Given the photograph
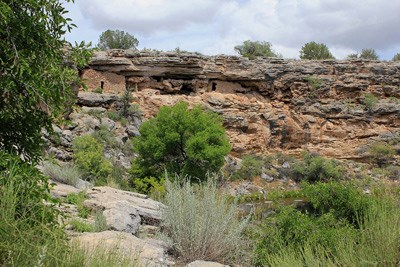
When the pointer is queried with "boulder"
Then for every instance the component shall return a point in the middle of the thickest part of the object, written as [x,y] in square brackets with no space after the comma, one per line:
[96,100]
[124,210]
[199,263]
[61,190]
[147,252]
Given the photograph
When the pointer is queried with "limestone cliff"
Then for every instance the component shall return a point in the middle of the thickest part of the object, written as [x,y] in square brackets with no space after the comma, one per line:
[267,104]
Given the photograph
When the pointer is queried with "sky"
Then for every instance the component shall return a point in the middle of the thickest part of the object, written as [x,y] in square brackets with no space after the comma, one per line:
[216,26]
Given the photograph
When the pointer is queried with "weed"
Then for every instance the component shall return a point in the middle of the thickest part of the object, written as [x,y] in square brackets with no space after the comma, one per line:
[201,223]
[66,174]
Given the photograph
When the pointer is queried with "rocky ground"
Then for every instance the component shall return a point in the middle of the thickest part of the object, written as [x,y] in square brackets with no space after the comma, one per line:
[132,225]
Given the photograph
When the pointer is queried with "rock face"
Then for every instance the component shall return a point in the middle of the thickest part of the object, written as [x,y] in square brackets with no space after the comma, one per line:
[267,104]
[142,252]
[124,211]
[205,264]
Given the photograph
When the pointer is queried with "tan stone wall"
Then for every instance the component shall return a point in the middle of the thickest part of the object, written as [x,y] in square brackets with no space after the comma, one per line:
[112,83]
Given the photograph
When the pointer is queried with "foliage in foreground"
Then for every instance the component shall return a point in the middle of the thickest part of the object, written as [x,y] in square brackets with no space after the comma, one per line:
[182,141]
[35,78]
[200,222]
[341,227]
[30,232]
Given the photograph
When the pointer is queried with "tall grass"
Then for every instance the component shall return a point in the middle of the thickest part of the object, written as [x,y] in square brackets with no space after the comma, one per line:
[30,234]
[377,244]
[67,174]
[201,223]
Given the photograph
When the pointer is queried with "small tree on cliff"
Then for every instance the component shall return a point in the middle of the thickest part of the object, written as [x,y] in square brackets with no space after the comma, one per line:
[117,39]
[315,51]
[369,54]
[396,57]
[178,140]
[253,49]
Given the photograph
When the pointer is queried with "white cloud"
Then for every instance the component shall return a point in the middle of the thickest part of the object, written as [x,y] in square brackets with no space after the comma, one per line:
[216,26]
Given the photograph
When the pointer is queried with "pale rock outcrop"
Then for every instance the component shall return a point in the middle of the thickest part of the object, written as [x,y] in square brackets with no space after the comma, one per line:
[199,263]
[124,211]
[144,252]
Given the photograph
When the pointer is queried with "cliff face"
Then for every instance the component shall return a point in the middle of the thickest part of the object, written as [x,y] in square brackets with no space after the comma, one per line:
[267,104]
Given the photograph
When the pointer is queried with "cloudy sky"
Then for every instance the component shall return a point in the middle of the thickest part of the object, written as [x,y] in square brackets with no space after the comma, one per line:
[216,26]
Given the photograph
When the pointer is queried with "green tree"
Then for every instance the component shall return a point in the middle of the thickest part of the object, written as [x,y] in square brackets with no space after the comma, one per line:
[368,54]
[253,49]
[396,57]
[34,76]
[352,56]
[117,39]
[181,141]
[313,50]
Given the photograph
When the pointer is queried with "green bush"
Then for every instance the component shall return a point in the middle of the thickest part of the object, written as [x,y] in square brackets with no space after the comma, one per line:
[30,189]
[314,168]
[27,223]
[98,90]
[98,225]
[116,39]
[316,51]
[375,243]
[113,115]
[382,153]
[81,226]
[65,174]
[100,222]
[250,167]
[182,141]
[370,101]
[149,186]
[334,212]
[368,54]
[77,200]
[201,223]
[89,157]
[343,201]
[253,49]
[315,83]
[396,57]
[106,137]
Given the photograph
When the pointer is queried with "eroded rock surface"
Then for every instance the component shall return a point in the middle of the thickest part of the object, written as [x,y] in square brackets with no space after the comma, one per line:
[124,211]
[152,253]
[267,104]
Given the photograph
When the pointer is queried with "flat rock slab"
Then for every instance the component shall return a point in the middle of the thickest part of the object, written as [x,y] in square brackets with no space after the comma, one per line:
[205,264]
[146,252]
[124,211]
[61,190]
[96,100]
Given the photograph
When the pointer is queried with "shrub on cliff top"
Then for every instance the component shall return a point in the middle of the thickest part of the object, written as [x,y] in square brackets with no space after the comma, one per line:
[111,39]
[317,51]
[253,49]
[368,54]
